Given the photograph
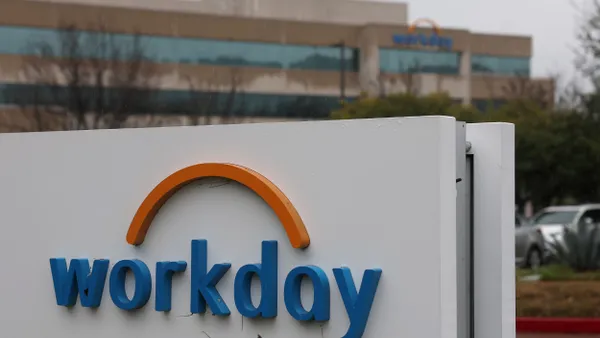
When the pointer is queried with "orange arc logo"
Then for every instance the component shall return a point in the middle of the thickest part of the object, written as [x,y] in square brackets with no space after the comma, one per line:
[269,192]
[433,24]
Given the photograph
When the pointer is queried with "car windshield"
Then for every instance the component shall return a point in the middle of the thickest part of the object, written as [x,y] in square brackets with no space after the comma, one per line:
[555,217]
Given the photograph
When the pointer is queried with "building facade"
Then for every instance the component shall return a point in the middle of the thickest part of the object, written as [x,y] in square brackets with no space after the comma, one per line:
[282,59]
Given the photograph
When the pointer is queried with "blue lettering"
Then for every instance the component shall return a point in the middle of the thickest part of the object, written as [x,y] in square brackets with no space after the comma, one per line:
[143,284]
[412,39]
[399,39]
[78,280]
[164,283]
[358,305]
[267,273]
[321,302]
[204,284]
[434,40]
[446,43]
[423,40]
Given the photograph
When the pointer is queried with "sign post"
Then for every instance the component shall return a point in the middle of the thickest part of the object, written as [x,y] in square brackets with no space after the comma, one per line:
[352,228]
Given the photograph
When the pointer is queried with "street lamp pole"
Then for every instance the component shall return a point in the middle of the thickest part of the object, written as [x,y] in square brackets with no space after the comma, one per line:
[342,46]
[342,72]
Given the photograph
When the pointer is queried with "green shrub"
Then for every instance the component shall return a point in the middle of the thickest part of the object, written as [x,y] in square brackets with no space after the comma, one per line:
[565,273]
[557,273]
[579,248]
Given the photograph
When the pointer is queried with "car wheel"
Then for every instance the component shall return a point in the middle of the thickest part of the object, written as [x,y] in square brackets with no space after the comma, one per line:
[534,258]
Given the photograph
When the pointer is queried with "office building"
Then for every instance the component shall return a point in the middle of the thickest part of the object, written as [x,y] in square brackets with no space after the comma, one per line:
[282,59]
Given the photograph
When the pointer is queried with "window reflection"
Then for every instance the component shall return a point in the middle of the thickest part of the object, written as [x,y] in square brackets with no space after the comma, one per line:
[182,102]
[500,65]
[19,40]
[485,105]
[413,61]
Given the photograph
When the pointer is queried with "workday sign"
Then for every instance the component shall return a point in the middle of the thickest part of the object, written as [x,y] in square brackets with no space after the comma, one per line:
[78,279]
[435,39]
[269,230]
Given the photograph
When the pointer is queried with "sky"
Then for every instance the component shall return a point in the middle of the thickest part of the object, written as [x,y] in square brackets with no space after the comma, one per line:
[552,24]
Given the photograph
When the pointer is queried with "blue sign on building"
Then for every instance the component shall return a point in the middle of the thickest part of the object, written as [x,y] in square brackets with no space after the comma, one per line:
[432,40]
[428,40]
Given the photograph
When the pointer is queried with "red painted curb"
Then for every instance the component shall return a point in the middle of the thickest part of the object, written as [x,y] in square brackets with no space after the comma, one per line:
[558,325]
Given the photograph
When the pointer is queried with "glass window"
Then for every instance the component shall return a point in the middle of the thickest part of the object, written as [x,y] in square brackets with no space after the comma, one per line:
[181,101]
[252,104]
[555,217]
[488,104]
[594,215]
[414,61]
[20,40]
[500,65]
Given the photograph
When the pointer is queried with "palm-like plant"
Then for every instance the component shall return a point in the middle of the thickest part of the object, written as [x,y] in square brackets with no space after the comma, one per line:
[578,248]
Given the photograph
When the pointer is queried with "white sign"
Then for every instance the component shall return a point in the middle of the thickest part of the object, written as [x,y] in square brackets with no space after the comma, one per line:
[313,229]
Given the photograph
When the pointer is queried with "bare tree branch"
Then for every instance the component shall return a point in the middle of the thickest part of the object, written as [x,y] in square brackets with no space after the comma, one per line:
[88,79]
[521,87]
[207,99]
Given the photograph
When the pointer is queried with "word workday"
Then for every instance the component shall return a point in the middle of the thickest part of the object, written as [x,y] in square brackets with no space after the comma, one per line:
[79,280]
[432,40]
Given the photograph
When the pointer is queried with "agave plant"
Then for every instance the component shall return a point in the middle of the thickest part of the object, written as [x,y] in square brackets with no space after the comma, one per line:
[578,248]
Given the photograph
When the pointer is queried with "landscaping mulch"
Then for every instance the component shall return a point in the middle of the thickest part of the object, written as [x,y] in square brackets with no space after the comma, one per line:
[558,299]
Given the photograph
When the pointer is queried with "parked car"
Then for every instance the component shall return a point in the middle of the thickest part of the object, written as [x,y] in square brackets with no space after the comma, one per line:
[529,244]
[551,220]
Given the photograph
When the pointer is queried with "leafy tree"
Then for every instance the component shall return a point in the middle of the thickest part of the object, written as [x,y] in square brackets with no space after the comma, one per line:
[587,60]
[405,104]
